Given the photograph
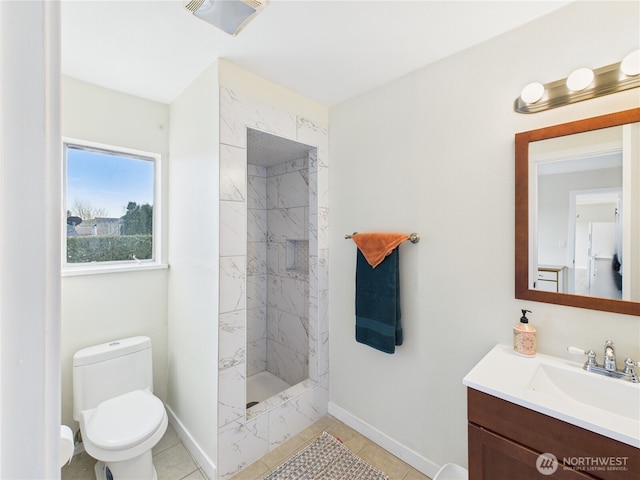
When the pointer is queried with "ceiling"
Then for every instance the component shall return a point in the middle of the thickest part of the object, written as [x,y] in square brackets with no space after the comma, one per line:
[267,150]
[326,50]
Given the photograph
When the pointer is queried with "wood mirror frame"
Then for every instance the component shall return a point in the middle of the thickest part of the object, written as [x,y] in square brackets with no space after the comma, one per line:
[522,141]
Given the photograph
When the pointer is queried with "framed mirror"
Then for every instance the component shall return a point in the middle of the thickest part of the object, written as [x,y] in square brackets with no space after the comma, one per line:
[577,213]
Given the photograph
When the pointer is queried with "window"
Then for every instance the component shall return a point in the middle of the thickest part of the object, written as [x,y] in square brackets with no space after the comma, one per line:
[111,208]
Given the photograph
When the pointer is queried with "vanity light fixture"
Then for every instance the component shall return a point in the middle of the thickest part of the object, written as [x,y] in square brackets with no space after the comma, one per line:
[230,16]
[582,84]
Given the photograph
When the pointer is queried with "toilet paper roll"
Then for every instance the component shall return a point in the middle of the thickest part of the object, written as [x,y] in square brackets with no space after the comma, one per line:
[66,445]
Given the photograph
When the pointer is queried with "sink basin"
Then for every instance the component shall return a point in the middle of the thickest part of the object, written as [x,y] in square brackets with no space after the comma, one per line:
[615,396]
[562,390]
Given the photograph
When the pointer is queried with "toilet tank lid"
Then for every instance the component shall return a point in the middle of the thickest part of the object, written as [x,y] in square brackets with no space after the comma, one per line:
[105,351]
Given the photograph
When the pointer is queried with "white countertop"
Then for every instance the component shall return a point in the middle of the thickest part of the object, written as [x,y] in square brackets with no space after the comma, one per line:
[506,375]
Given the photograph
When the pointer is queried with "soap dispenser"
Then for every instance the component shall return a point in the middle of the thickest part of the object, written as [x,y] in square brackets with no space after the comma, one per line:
[524,336]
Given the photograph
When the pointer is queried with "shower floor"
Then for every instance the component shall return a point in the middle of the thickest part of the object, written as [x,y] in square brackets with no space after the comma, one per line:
[263,385]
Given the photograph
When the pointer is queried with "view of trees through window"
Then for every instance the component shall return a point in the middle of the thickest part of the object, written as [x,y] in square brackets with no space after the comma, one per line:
[109,200]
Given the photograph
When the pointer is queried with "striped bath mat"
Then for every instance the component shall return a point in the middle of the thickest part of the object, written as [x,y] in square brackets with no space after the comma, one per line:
[326,458]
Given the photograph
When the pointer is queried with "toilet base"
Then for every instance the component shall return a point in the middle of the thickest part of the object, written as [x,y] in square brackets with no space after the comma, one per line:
[102,473]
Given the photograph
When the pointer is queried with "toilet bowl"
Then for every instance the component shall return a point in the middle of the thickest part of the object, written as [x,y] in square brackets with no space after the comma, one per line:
[122,429]
[120,418]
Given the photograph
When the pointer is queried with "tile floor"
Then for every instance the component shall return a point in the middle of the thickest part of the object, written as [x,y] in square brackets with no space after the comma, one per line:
[173,462]
[395,468]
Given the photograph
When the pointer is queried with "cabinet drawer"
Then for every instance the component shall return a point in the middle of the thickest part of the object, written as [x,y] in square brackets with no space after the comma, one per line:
[546,286]
[547,275]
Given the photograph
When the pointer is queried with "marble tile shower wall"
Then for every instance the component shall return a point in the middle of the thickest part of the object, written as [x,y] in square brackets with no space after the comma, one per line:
[256,269]
[278,281]
[244,438]
[288,282]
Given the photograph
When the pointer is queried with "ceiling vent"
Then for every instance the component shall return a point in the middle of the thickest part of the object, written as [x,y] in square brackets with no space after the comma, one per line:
[231,16]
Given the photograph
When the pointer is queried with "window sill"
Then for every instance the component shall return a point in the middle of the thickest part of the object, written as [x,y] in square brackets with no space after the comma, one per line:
[98,269]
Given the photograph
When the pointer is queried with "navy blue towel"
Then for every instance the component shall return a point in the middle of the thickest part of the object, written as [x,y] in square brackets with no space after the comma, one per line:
[378,303]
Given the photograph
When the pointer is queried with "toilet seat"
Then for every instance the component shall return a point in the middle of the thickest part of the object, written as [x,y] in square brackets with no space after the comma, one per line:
[125,421]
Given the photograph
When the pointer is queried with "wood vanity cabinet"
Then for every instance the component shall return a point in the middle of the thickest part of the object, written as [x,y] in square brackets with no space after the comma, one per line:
[506,439]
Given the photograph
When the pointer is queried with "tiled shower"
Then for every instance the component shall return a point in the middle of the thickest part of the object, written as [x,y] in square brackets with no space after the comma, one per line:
[277,259]
[244,435]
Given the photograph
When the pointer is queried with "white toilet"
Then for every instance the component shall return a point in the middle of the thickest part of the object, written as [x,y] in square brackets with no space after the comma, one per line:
[120,418]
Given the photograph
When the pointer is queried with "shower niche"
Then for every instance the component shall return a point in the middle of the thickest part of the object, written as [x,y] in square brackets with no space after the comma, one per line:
[280,202]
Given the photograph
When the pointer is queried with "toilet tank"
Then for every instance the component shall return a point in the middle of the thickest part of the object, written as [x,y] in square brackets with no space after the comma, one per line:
[111,369]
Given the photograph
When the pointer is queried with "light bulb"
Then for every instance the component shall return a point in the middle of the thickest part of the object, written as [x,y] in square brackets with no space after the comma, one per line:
[630,64]
[580,79]
[532,93]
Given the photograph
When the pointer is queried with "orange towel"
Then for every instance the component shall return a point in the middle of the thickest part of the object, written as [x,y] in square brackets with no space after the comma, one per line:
[376,246]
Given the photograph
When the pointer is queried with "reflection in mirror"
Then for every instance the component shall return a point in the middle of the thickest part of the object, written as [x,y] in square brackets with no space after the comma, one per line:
[578,213]
[578,201]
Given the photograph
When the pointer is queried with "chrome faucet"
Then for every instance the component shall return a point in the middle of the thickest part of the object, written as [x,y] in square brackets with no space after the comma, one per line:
[608,368]
[609,357]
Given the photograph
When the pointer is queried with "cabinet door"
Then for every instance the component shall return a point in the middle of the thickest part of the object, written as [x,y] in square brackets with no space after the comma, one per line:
[493,457]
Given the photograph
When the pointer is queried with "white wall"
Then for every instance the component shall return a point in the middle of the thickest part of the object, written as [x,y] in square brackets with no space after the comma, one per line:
[433,153]
[193,256]
[103,307]
[29,239]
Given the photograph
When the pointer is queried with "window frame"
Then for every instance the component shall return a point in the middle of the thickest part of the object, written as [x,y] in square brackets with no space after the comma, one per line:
[70,269]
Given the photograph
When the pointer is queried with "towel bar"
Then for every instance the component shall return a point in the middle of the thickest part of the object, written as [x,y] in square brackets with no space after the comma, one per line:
[413,238]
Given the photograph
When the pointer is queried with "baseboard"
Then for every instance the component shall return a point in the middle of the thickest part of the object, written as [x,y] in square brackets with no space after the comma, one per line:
[201,458]
[405,454]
